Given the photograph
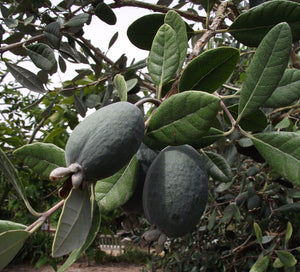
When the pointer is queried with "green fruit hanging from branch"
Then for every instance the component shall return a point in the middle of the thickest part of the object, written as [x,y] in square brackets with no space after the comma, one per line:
[102,144]
[176,190]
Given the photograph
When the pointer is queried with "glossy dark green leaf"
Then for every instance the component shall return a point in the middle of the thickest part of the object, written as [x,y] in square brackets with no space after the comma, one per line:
[182,119]
[287,91]
[78,20]
[80,106]
[207,4]
[41,157]
[26,78]
[11,175]
[76,253]
[251,26]
[121,86]
[62,64]
[209,70]
[281,151]
[164,2]
[114,191]
[105,13]
[142,31]
[255,121]
[6,225]
[293,207]
[266,69]
[52,32]
[10,243]
[113,39]
[164,55]
[74,223]
[287,258]
[217,166]
[42,56]
[173,19]
[261,264]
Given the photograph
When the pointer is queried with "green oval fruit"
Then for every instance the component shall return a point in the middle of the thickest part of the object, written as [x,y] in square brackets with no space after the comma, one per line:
[145,157]
[106,140]
[175,190]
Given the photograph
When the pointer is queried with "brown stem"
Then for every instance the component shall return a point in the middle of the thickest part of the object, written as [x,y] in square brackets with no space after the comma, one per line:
[45,215]
[157,8]
[20,44]
[152,100]
[211,32]
[96,50]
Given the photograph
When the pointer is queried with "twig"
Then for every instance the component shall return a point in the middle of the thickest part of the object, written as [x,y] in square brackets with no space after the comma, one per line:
[45,215]
[211,32]
[158,8]
[20,44]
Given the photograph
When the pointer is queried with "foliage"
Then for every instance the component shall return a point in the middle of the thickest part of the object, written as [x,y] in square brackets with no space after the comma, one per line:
[226,83]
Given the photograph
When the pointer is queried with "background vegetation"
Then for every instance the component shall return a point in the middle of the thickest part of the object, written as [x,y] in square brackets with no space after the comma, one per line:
[250,145]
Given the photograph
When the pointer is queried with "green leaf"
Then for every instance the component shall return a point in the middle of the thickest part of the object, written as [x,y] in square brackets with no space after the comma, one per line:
[10,243]
[42,56]
[207,4]
[131,83]
[286,258]
[255,121]
[80,106]
[293,207]
[105,13]
[261,264]
[11,23]
[142,31]
[52,32]
[121,86]
[164,55]
[74,223]
[62,64]
[78,20]
[211,136]
[288,234]
[266,69]
[287,92]
[10,173]
[173,19]
[217,166]
[113,39]
[26,78]
[209,70]
[182,119]
[6,225]
[251,26]
[281,151]
[76,253]
[114,191]
[258,233]
[41,157]
[277,263]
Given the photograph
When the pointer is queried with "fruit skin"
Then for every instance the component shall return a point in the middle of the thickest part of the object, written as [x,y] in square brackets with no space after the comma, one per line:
[106,140]
[145,157]
[175,190]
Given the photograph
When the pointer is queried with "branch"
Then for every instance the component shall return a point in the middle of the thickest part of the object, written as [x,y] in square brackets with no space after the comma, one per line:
[20,44]
[211,32]
[157,8]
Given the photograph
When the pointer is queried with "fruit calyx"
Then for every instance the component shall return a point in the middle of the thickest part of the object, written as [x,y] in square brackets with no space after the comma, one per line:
[75,170]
